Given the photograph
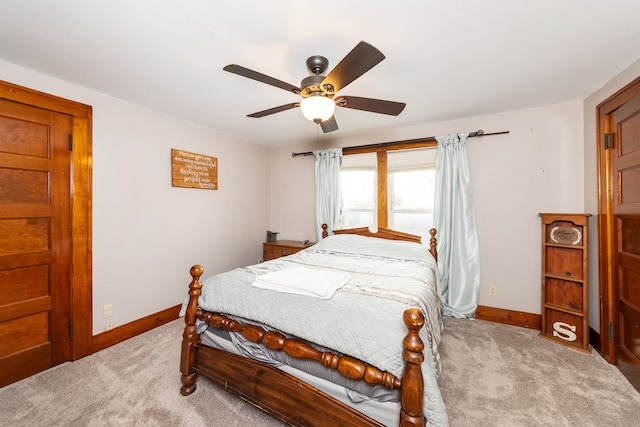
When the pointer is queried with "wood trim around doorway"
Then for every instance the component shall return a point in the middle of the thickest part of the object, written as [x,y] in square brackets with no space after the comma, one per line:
[81,165]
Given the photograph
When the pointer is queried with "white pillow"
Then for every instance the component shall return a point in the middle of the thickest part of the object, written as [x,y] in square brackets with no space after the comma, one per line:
[375,246]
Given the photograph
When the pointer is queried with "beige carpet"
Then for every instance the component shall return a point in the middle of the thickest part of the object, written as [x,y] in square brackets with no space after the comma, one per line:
[499,375]
[493,375]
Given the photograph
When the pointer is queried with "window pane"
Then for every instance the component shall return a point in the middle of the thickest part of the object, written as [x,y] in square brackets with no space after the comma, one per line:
[358,182]
[358,189]
[422,158]
[356,219]
[413,189]
[411,177]
[414,223]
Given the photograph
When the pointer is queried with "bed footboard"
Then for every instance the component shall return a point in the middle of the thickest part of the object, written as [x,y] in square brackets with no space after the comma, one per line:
[411,384]
[347,366]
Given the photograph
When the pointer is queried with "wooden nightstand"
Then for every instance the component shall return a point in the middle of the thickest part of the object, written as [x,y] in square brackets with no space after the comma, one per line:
[280,248]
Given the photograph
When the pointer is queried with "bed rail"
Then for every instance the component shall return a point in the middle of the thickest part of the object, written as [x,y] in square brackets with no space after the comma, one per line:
[347,366]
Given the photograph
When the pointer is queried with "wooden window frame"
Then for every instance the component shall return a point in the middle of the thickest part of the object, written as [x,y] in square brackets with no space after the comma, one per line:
[381,160]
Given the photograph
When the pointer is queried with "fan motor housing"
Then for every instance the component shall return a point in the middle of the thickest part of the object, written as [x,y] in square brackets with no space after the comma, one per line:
[311,85]
[317,64]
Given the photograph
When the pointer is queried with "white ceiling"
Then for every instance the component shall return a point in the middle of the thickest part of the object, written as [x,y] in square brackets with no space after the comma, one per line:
[444,59]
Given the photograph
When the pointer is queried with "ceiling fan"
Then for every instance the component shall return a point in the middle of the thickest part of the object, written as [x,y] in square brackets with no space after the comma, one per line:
[318,91]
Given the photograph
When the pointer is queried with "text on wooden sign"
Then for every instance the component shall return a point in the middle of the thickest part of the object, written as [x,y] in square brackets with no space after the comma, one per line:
[193,170]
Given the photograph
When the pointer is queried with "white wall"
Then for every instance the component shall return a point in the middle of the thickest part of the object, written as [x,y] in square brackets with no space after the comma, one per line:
[537,167]
[591,177]
[146,233]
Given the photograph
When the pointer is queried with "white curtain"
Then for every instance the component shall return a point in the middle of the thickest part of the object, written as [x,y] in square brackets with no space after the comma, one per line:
[454,220]
[328,163]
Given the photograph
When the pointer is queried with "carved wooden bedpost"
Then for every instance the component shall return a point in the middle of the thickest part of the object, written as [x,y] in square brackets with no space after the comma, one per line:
[412,393]
[189,337]
[325,233]
[433,243]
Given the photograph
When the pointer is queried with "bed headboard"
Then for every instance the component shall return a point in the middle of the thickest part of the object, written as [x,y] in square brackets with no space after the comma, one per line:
[387,233]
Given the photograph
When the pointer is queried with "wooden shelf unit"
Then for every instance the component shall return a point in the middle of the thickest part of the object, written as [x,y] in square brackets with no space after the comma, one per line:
[565,290]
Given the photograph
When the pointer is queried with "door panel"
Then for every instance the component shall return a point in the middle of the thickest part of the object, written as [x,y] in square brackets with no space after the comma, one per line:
[24,235]
[24,137]
[629,179]
[20,186]
[35,240]
[24,284]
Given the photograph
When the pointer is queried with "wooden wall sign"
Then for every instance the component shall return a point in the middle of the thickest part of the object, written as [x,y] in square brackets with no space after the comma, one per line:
[193,170]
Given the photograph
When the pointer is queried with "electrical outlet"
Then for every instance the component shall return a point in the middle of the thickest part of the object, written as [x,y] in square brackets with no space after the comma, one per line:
[108,326]
[107,310]
[493,291]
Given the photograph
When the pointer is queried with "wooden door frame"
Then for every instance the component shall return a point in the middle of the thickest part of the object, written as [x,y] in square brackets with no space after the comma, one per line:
[606,238]
[81,187]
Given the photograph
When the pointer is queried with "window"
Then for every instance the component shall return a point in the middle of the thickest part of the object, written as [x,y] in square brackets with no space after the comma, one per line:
[393,189]
[358,197]
[411,178]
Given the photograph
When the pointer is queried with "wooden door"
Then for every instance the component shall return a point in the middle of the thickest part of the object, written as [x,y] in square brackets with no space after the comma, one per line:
[622,137]
[625,123]
[35,240]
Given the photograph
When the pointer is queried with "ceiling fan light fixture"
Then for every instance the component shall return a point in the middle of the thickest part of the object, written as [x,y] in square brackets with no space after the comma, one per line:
[317,108]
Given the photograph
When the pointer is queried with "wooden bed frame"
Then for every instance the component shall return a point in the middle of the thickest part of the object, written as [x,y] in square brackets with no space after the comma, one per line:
[281,394]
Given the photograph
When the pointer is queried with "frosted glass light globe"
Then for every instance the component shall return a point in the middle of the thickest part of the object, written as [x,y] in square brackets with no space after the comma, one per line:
[317,108]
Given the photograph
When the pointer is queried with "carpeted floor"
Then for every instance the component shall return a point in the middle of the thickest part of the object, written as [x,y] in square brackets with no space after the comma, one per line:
[493,375]
[500,375]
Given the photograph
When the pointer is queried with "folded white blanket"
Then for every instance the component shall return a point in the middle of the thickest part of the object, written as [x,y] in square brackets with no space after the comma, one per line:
[303,281]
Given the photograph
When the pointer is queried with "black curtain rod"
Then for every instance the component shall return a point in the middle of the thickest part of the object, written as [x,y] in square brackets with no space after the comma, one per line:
[407,141]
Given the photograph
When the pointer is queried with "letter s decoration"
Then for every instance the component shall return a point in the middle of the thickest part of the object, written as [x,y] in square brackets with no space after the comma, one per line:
[564,331]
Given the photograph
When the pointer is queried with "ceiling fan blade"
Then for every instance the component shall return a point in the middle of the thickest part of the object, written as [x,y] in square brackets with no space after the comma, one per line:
[391,108]
[274,110]
[361,59]
[263,78]
[329,125]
